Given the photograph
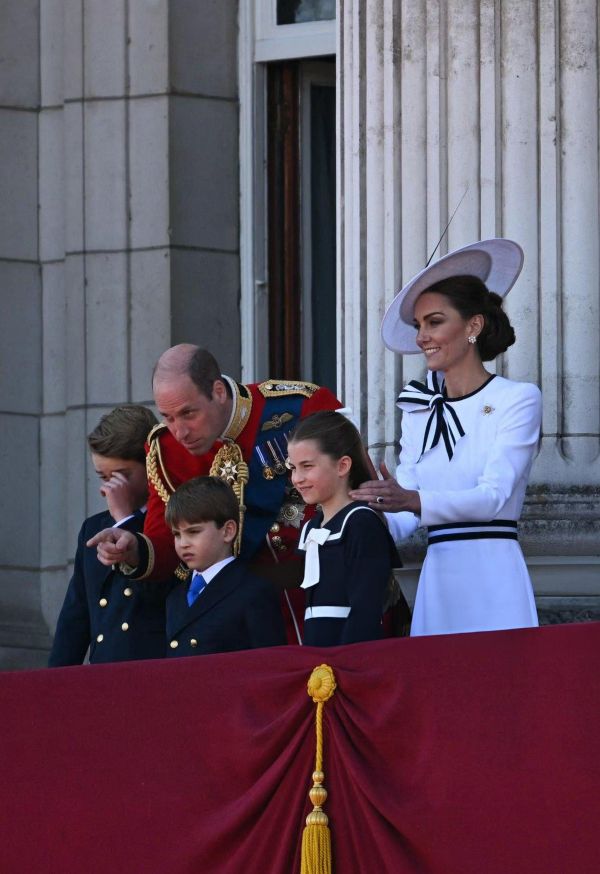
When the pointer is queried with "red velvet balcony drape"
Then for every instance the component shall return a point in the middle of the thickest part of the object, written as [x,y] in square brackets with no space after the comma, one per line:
[444,755]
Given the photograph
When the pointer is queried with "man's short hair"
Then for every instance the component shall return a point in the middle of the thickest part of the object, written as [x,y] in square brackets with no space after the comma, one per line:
[203,370]
[202,499]
[122,433]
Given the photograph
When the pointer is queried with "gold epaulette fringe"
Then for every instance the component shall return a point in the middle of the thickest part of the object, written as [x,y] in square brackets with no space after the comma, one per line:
[155,469]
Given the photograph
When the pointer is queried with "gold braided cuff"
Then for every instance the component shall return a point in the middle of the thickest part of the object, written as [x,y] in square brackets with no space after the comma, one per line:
[129,571]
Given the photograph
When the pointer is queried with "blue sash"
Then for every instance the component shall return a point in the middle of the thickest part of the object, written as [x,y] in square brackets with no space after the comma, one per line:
[263,497]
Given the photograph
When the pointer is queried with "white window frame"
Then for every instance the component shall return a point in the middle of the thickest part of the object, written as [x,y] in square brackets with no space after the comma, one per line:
[277,42]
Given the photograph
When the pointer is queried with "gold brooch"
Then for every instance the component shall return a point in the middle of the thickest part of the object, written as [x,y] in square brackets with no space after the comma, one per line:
[487,410]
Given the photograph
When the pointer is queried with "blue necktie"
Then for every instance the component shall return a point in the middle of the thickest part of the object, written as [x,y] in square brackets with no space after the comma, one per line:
[197,586]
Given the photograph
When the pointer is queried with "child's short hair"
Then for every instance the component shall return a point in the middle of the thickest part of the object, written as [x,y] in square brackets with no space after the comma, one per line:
[336,436]
[202,499]
[122,433]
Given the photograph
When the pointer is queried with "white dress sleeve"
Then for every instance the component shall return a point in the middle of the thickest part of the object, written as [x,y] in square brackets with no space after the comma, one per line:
[509,459]
[402,525]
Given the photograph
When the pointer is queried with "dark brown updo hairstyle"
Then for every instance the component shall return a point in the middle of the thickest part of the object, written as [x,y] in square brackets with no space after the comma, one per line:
[336,436]
[470,297]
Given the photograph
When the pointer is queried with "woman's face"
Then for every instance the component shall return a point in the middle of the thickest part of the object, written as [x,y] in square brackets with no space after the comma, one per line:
[442,332]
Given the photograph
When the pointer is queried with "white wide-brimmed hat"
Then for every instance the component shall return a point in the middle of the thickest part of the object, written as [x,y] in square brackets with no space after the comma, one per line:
[496,262]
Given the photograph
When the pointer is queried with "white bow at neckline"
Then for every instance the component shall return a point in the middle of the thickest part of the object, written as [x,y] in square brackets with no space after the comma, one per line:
[315,538]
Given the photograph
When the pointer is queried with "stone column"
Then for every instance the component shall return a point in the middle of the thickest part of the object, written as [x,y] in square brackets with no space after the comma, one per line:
[578,167]
[499,100]
[53,495]
[119,118]
[203,167]
[114,202]
[26,286]
[368,218]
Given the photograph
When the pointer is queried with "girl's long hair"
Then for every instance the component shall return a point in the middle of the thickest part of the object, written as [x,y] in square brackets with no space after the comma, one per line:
[336,436]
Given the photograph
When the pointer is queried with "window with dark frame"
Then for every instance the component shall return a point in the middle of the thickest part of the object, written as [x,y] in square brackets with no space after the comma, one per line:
[301,234]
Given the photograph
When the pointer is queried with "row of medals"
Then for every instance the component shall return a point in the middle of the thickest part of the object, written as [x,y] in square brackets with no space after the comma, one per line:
[272,458]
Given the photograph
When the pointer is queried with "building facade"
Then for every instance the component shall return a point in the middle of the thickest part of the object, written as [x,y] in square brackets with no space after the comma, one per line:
[260,177]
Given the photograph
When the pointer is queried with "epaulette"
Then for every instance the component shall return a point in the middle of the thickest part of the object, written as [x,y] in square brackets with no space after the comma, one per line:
[277,388]
[156,430]
[155,469]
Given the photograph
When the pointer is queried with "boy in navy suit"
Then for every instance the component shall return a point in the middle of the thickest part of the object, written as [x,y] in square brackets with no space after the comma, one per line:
[221,606]
[116,618]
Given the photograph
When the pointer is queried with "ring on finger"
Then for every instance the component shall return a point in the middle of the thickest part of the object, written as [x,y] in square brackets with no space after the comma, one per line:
[379,499]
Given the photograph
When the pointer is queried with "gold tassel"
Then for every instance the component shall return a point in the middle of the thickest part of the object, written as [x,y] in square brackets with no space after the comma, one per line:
[316,837]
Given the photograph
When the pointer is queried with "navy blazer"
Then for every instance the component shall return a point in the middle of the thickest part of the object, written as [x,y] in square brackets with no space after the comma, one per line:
[237,610]
[117,618]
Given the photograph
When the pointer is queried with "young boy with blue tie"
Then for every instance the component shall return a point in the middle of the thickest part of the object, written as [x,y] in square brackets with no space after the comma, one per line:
[221,606]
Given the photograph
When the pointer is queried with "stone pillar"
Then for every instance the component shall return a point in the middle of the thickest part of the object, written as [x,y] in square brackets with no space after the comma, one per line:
[578,167]
[25,288]
[499,100]
[368,219]
[53,496]
[113,200]
[119,118]
[204,177]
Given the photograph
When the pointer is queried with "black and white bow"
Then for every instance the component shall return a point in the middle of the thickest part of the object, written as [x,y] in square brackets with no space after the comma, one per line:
[443,421]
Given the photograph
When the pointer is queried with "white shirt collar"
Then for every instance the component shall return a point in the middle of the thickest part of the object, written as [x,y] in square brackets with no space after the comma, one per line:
[214,569]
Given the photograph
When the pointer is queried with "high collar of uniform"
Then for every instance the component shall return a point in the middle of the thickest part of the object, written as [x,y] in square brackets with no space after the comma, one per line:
[240,409]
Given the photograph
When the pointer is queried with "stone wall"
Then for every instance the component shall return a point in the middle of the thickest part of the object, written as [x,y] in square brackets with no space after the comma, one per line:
[119,231]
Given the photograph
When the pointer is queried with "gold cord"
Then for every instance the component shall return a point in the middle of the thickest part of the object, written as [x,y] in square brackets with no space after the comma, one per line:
[229,465]
[316,837]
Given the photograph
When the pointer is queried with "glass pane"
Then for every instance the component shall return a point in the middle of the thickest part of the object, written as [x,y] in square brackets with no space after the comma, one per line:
[323,235]
[298,11]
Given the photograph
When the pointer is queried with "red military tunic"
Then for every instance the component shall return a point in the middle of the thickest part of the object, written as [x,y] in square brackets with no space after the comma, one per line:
[263,414]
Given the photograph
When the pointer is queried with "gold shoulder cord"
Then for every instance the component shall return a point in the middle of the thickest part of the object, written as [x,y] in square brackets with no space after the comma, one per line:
[229,465]
[153,461]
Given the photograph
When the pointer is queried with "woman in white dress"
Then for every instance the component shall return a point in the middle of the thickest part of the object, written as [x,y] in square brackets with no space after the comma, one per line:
[467,445]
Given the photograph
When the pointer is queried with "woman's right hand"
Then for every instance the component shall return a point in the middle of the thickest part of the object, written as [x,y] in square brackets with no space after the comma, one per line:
[387,495]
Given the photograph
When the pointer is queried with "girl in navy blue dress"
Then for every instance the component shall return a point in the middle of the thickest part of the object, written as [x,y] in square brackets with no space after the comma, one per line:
[349,551]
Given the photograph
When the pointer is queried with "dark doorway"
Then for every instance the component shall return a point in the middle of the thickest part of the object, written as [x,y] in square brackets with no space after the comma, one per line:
[301,220]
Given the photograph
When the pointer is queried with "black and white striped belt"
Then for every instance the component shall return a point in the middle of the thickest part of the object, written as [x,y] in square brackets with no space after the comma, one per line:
[498,529]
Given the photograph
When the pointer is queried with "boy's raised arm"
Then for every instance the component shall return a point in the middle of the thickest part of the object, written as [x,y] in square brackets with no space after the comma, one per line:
[115,546]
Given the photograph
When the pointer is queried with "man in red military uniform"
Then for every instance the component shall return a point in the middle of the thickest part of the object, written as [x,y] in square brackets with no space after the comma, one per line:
[214,425]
